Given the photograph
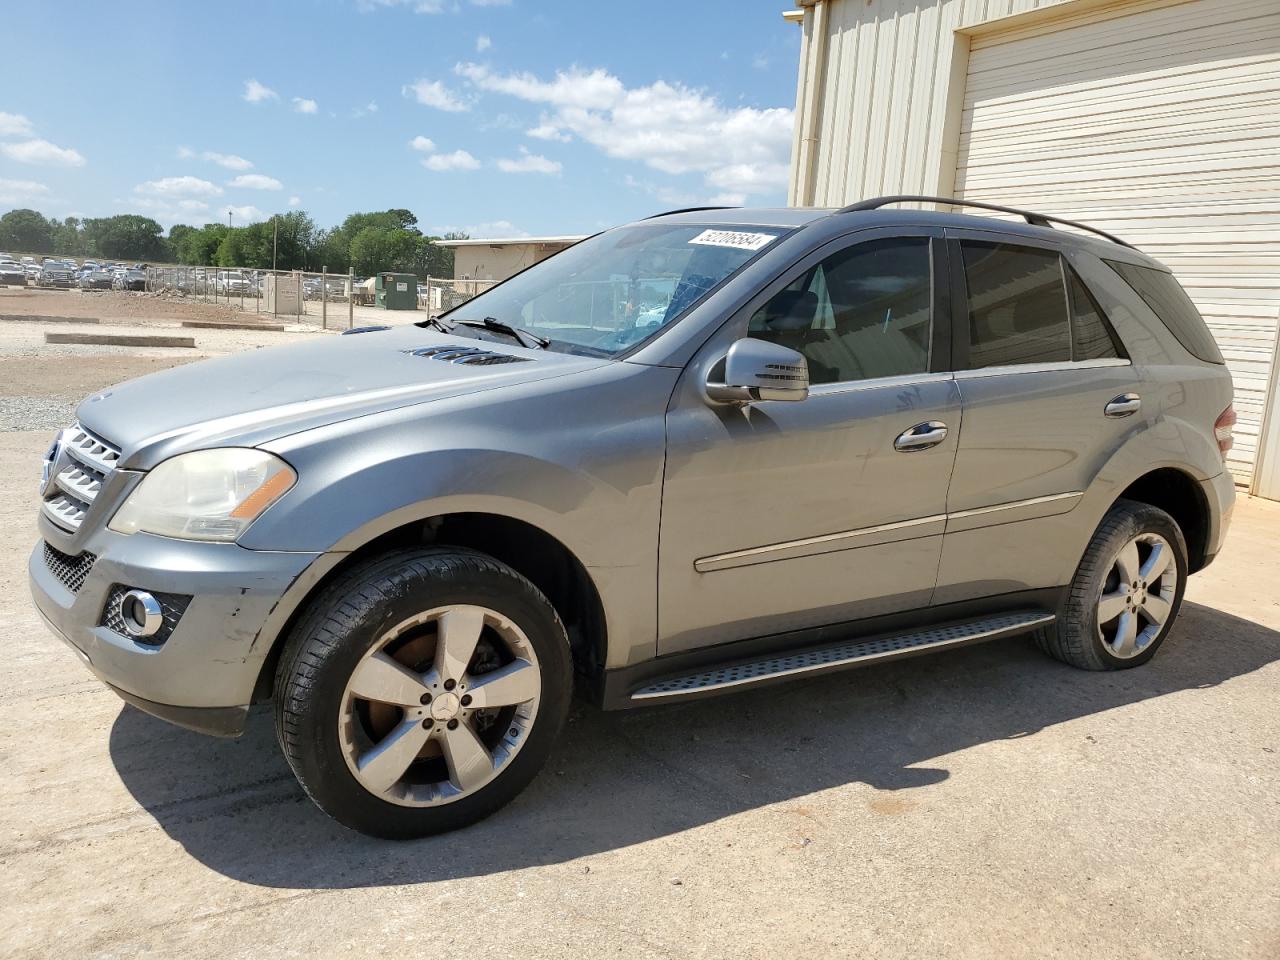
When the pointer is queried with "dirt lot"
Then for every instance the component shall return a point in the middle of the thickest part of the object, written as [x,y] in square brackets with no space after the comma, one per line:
[112,306]
[984,802]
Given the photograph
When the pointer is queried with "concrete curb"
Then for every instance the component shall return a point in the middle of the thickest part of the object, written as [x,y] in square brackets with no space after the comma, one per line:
[40,318]
[120,339]
[233,325]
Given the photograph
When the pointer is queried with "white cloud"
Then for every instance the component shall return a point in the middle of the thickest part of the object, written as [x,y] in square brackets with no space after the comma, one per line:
[169,211]
[185,153]
[256,181]
[528,163]
[417,6]
[245,214]
[668,127]
[368,108]
[458,160]
[178,187]
[548,131]
[483,43]
[491,3]
[255,92]
[425,144]
[228,160]
[303,105]
[761,62]
[20,191]
[42,153]
[15,125]
[491,230]
[727,200]
[433,93]
[294,201]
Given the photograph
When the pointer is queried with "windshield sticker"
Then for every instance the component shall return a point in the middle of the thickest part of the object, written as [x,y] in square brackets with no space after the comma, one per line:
[733,238]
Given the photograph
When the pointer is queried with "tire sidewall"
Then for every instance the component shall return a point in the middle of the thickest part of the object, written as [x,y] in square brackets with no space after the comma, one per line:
[321,766]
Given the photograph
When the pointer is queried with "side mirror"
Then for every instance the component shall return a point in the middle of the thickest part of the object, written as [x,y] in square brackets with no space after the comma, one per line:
[759,370]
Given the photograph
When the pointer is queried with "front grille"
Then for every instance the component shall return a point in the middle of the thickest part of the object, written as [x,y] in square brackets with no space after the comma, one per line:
[69,571]
[80,466]
[172,607]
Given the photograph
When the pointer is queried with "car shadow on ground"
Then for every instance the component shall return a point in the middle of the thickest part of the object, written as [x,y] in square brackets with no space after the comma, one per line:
[618,779]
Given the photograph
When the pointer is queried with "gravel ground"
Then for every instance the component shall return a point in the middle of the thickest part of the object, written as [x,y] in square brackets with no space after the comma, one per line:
[982,802]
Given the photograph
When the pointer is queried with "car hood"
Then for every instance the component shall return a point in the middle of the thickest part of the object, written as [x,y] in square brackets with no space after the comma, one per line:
[250,398]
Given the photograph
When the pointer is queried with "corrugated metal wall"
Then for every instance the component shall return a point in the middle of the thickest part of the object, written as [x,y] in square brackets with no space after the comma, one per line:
[882,109]
[892,106]
[1161,125]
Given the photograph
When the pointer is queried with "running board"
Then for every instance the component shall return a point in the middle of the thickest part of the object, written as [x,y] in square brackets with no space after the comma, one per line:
[841,656]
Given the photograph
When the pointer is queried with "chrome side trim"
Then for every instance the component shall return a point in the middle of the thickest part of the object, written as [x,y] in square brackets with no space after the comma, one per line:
[869,536]
[1014,504]
[848,653]
[742,558]
[1062,365]
[850,386]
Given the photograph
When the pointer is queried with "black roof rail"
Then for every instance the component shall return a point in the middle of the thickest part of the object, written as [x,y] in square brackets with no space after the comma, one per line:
[1033,218]
[667,213]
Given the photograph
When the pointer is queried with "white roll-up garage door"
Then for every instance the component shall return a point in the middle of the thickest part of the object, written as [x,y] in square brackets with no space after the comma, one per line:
[1159,122]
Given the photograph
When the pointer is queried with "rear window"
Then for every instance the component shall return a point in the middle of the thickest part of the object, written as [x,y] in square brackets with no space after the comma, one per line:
[1166,298]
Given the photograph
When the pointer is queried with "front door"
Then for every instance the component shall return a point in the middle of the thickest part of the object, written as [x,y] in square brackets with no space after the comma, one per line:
[780,516]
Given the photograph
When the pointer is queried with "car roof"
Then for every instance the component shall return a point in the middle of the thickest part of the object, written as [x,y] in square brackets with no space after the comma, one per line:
[834,222]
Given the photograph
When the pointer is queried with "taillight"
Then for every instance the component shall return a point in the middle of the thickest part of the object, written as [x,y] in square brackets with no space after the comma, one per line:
[1222,430]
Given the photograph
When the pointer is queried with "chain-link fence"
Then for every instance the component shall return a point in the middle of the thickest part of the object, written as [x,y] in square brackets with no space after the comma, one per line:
[334,301]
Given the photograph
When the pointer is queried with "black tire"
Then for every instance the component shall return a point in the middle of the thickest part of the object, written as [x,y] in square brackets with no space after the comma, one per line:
[1075,637]
[347,619]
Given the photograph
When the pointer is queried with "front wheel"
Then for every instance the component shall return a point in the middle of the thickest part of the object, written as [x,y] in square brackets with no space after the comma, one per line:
[422,691]
[1126,592]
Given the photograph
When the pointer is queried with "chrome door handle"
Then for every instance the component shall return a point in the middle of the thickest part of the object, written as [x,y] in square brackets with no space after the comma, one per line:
[921,437]
[1125,405]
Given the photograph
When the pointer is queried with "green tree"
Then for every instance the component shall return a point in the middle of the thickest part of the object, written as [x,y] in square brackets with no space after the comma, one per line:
[69,238]
[382,248]
[125,237]
[200,247]
[26,230]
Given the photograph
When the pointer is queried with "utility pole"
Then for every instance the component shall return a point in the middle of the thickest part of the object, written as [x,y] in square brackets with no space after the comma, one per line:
[275,241]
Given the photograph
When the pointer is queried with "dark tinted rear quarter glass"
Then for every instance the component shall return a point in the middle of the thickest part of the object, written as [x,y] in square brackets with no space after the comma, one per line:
[1166,298]
[1091,335]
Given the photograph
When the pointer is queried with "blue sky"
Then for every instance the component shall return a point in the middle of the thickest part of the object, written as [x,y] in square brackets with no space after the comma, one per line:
[499,118]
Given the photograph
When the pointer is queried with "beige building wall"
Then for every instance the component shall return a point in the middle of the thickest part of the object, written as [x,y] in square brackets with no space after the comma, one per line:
[1158,120]
[499,261]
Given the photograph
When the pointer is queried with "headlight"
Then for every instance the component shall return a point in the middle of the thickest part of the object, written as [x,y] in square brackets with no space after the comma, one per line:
[205,495]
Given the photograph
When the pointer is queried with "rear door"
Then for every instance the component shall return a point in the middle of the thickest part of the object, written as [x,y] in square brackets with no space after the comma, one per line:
[1043,381]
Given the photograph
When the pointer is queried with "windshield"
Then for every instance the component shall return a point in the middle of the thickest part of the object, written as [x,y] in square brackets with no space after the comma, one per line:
[609,292]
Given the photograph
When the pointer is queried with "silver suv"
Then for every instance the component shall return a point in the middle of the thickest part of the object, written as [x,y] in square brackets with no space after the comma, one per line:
[705,451]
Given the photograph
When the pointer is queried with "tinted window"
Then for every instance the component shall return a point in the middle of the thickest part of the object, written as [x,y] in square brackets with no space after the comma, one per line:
[1170,303]
[1017,305]
[863,312]
[1091,336]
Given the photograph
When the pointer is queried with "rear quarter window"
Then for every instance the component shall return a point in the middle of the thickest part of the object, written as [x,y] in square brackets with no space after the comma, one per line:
[1168,301]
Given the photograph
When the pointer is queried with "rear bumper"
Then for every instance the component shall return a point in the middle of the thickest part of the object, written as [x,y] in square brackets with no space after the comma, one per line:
[1220,494]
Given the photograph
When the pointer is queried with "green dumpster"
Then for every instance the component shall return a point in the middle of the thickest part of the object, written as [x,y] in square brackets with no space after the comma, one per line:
[396,291]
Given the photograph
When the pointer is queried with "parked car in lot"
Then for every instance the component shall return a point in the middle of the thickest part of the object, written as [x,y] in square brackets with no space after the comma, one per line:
[57,273]
[12,273]
[129,278]
[233,283]
[95,278]
[707,451]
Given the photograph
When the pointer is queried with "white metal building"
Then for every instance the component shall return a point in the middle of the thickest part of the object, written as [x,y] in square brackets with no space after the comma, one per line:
[1156,120]
[499,259]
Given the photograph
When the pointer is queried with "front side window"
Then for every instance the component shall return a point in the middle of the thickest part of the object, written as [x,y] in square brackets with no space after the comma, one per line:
[864,312]
[1017,305]
[608,293]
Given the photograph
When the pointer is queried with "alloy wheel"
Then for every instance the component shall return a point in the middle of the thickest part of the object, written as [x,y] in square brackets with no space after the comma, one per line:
[439,705]
[1137,595]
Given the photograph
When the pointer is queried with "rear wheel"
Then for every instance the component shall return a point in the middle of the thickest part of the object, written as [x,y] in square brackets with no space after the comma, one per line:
[1126,592]
[422,692]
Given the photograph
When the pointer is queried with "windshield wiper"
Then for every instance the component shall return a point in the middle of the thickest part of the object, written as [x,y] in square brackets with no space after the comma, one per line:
[517,334]
[435,322]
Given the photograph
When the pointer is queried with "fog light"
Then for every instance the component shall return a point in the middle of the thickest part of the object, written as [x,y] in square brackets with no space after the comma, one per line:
[141,613]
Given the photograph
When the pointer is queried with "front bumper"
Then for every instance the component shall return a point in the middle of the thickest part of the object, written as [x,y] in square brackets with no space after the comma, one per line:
[203,675]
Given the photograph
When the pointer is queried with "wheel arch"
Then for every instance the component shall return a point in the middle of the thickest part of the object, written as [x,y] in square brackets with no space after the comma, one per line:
[1179,494]
[526,547]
